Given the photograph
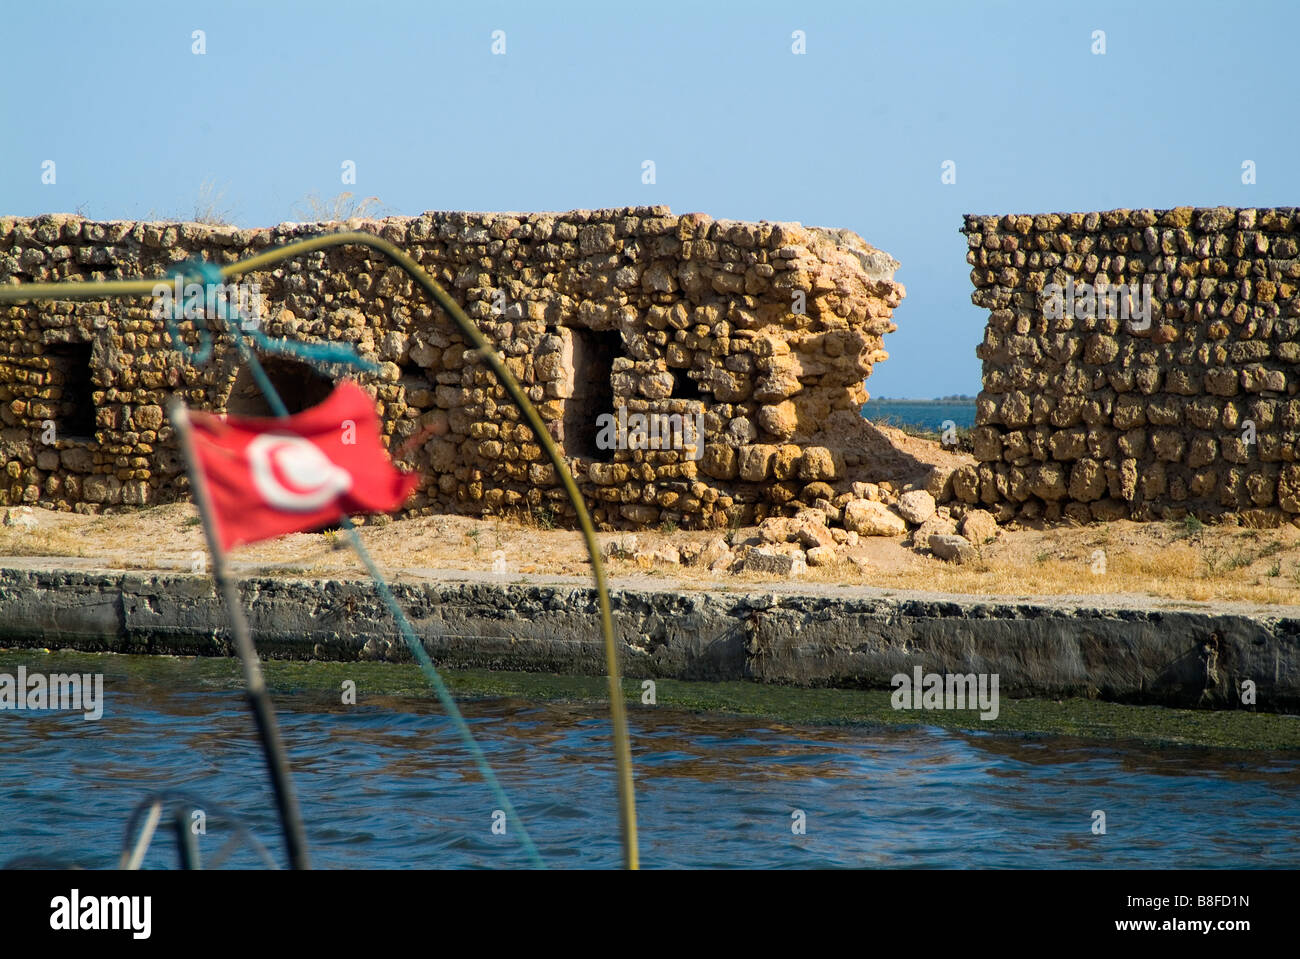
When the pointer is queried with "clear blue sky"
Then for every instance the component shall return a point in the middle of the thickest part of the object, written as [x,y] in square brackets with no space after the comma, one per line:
[851,134]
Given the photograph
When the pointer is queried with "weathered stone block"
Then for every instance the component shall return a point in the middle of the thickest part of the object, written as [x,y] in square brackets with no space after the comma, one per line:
[916,506]
[956,549]
[868,518]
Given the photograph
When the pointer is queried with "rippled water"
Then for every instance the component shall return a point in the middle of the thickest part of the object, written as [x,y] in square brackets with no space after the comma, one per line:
[925,414]
[385,785]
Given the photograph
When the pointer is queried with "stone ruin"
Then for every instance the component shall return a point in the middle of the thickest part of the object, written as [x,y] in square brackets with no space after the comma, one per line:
[703,373]
[761,333]
[1187,405]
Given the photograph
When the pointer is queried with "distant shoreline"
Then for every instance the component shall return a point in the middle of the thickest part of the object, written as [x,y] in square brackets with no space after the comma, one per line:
[933,415]
[942,400]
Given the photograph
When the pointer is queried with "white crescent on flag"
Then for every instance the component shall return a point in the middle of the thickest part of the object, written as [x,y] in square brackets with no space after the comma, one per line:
[267,477]
[292,474]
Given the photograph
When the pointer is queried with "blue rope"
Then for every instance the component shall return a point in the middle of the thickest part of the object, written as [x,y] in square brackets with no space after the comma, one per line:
[211,275]
[176,314]
[444,694]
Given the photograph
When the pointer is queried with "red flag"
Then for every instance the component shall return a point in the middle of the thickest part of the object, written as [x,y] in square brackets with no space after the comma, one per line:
[267,477]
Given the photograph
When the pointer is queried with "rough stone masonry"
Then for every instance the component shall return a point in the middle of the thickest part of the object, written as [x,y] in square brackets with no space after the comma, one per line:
[1190,408]
[766,330]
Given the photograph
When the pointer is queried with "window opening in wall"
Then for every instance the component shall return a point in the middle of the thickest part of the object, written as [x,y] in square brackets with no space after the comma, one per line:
[75,410]
[299,385]
[685,387]
[594,352]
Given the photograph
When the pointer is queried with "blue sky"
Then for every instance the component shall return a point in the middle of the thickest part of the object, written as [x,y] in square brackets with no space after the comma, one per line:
[851,134]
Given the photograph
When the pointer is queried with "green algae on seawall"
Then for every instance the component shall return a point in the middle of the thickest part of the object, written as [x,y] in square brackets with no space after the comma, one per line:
[318,685]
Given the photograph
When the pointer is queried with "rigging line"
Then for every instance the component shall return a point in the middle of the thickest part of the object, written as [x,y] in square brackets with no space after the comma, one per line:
[618,713]
[276,403]
[622,744]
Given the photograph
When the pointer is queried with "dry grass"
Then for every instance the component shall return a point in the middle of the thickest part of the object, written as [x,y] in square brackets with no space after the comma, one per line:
[1170,561]
[1154,559]
[337,209]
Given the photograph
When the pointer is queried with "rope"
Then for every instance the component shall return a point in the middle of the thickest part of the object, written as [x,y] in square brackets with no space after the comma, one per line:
[618,717]
[413,643]
[209,275]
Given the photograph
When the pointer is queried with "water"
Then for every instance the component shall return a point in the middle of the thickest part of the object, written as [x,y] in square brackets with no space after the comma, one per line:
[384,784]
[925,414]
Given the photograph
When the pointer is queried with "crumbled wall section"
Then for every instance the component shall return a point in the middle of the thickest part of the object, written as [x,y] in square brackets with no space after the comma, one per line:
[1093,417]
[591,310]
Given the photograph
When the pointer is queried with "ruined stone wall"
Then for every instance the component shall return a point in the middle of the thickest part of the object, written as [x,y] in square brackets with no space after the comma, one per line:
[1095,417]
[767,330]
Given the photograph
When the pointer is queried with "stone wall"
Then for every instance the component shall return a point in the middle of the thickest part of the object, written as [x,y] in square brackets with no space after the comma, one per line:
[766,330]
[1097,417]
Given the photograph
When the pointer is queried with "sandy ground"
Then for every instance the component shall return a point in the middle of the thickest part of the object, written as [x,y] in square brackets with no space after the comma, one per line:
[886,453]
[1172,561]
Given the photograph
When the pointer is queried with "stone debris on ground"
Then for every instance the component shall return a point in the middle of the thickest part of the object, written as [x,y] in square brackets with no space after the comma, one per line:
[954,548]
[916,506]
[819,537]
[20,517]
[979,526]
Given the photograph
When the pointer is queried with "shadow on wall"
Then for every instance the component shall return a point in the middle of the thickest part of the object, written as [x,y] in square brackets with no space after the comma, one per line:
[299,385]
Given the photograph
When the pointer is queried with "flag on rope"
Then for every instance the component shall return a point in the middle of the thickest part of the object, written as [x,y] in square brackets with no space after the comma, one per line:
[267,477]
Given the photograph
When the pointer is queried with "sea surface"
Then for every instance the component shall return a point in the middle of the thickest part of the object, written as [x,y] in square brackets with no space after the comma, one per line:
[923,414]
[385,784]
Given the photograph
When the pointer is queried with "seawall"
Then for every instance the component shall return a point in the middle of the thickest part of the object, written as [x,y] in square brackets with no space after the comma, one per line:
[807,635]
